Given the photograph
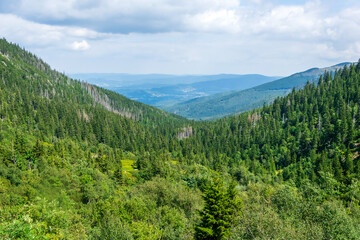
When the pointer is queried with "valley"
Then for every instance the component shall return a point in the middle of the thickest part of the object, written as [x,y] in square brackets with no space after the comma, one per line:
[164,91]
[78,161]
[205,97]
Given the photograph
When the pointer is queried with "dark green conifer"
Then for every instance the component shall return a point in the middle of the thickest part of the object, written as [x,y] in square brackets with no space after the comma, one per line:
[216,217]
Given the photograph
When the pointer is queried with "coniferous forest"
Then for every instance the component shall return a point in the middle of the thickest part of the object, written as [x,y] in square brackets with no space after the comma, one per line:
[81,162]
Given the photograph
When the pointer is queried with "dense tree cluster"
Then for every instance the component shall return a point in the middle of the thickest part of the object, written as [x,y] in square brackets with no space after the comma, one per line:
[290,168]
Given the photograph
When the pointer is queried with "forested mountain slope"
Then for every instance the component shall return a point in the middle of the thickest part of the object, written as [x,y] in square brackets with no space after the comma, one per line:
[73,165]
[49,80]
[229,103]
[68,139]
[51,104]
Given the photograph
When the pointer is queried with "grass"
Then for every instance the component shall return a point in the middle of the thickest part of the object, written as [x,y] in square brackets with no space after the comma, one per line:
[127,166]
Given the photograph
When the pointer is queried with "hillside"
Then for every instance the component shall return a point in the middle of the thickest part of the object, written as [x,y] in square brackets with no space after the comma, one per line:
[229,103]
[31,82]
[78,162]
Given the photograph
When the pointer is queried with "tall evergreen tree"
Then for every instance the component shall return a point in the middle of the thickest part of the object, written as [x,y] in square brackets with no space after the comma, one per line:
[218,211]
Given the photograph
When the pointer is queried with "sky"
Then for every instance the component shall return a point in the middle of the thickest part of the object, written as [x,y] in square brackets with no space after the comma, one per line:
[270,37]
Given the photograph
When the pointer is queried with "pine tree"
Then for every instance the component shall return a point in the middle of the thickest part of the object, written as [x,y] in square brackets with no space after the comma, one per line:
[118,173]
[349,168]
[218,211]
[38,149]
[337,167]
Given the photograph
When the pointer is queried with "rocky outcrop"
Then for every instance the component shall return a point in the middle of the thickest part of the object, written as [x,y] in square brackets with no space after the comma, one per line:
[185,132]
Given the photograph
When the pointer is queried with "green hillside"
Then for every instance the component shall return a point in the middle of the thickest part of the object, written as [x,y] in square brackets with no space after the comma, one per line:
[229,103]
[80,162]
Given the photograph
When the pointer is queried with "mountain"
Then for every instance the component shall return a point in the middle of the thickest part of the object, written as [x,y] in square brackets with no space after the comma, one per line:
[49,103]
[166,90]
[225,104]
[81,162]
[116,80]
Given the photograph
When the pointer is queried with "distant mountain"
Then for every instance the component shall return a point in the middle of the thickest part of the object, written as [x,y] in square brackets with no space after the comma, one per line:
[225,104]
[116,80]
[166,90]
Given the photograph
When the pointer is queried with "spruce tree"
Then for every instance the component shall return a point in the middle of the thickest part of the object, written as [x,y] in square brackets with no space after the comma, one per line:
[218,211]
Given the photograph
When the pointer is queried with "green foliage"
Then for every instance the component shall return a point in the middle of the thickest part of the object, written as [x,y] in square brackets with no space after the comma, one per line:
[218,211]
[80,162]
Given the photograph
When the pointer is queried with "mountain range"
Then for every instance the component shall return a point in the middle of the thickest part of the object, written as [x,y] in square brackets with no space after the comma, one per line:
[166,90]
[233,102]
[204,97]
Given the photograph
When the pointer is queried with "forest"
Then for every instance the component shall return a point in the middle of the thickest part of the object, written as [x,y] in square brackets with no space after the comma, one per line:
[81,162]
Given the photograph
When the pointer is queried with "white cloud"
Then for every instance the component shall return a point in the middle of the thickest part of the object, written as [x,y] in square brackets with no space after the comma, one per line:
[214,21]
[256,1]
[83,45]
[189,36]
[154,16]
[289,21]
[28,32]
[31,33]
[121,16]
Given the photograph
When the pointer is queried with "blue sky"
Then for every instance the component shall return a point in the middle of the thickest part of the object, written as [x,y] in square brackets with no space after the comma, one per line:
[274,37]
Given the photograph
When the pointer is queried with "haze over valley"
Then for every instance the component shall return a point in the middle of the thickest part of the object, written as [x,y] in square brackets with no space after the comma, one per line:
[205,97]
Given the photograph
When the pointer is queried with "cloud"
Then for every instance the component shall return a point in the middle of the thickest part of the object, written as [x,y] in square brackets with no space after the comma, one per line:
[188,36]
[295,18]
[117,16]
[35,34]
[302,19]
[83,45]
[256,1]
[214,21]
[289,21]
